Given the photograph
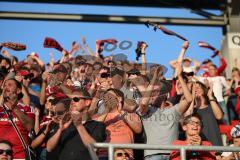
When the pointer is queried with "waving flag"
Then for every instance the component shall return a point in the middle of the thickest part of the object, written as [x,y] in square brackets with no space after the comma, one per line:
[206,45]
[52,43]
[164,30]
[100,44]
[14,46]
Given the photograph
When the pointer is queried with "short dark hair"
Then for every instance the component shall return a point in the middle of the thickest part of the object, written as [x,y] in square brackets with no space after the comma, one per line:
[18,84]
[117,72]
[187,118]
[117,92]
[84,92]
[213,65]
[6,142]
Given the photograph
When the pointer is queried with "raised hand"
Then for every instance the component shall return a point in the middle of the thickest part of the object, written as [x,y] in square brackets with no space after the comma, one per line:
[210,91]
[45,76]
[76,118]
[185,44]
[195,140]
[64,125]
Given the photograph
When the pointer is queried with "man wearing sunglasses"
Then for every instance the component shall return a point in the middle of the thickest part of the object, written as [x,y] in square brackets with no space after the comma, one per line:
[76,129]
[6,152]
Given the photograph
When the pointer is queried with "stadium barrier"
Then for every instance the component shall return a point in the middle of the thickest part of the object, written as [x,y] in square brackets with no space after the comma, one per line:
[182,149]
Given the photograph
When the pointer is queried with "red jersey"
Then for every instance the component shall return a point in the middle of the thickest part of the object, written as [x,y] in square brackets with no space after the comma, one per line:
[7,132]
[220,69]
[205,155]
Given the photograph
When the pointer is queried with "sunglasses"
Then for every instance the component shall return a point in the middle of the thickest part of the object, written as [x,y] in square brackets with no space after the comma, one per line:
[50,100]
[7,152]
[121,154]
[188,73]
[59,113]
[137,74]
[105,75]
[27,77]
[77,99]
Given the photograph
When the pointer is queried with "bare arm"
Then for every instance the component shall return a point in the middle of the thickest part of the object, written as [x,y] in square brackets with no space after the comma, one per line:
[38,141]
[144,60]
[216,109]
[45,78]
[185,102]
[86,138]
[26,98]
[53,141]
[39,61]
[183,51]
[143,108]
[24,119]
[133,121]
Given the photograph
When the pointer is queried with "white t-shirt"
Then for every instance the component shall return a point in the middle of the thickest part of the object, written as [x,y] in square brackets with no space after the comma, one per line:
[219,83]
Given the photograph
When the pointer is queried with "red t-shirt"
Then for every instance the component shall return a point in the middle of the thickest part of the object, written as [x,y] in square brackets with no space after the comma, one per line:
[7,132]
[175,155]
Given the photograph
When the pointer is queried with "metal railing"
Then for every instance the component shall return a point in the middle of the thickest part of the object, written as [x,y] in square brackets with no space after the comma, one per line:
[182,149]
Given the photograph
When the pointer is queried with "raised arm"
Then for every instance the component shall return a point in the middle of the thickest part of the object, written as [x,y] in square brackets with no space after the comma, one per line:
[45,78]
[183,51]
[132,120]
[146,95]
[53,141]
[216,109]
[185,102]
[144,60]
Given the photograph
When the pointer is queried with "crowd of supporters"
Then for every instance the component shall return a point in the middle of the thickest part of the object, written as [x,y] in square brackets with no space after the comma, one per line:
[56,110]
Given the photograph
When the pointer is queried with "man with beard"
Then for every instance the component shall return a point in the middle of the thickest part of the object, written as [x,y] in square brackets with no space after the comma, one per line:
[160,120]
[22,116]
[76,130]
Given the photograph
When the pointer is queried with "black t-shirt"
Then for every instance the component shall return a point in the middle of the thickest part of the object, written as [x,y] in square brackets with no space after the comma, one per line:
[210,126]
[71,146]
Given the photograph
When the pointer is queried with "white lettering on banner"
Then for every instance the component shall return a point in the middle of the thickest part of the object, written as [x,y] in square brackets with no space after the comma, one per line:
[234,40]
[7,120]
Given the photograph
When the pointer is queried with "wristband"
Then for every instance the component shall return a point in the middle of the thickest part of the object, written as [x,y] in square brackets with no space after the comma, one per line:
[212,100]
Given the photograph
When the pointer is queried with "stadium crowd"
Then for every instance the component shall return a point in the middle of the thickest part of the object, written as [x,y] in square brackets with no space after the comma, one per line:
[55,111]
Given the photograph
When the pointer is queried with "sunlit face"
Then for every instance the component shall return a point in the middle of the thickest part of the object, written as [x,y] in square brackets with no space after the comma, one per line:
[212,71]
[117,81]
[198,90]
[236,142]
[121,155]
[5,152]
[78,102]
[4,63]
[156,97]
[186,63]
[193,127]
[10,87]
[235,74]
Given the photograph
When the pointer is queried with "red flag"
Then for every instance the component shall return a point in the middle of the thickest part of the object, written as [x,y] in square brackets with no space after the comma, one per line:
[100,43]
[206,45]
[169,32]
[14,46]
[52,43]
[164,30]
